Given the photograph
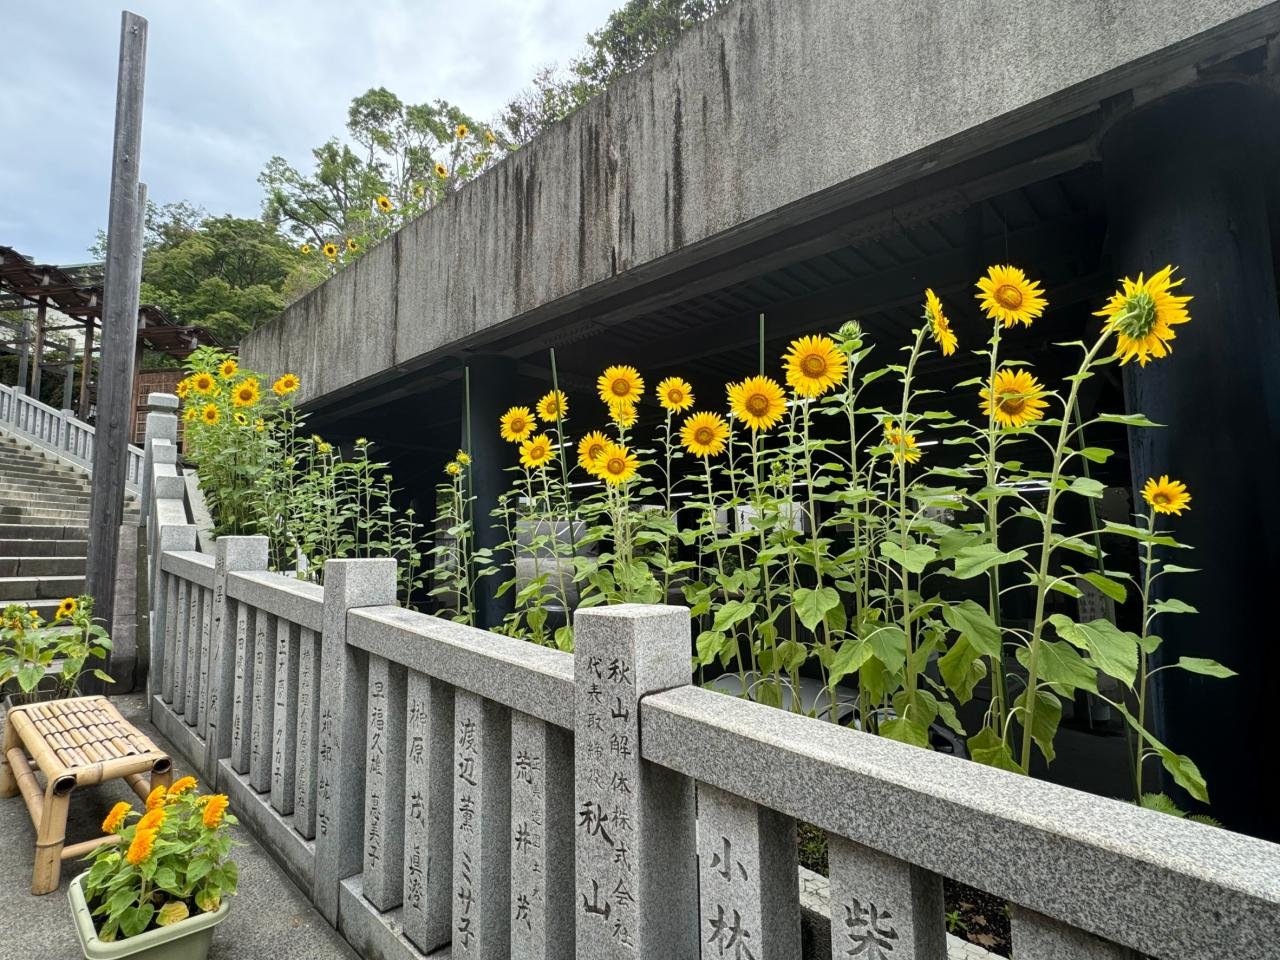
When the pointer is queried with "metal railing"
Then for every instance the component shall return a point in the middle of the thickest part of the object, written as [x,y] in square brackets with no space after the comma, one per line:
[60,433]
[430,785]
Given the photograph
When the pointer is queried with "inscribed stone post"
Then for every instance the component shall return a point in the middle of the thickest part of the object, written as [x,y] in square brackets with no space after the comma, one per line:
[348,584]
[541,840]
[284,728]
[384,785]
[883,908]
[428,813]
[634,849]
[308,734]
[748,893]
[482,817]
[230,554]
[263,720]
[242,689]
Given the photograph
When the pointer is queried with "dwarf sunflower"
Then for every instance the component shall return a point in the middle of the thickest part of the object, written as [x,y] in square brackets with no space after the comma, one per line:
[757,401]
[814,365]
[384,204]
[352,246]
[453,468]
[536,451]
[183,388]
[461,131]
[489,138]
[189,414]
[140,847]
[286,384]
[214,808]
[246,392]
[623,414]
[463,457]
[115,819]
[554,406]
[1018,398]
[516,424]
[1006,294]
[67,608]
[1143,314]
[704,434]
[617,464]
[939,325]
[155,798]
[240,419]
[441,171]
[305,249]
[675,394]
[1166,496]
[590,449]
[181,786]
[210,414]
[227,369]
[903,443]
[204,383]
[330,250]
[620,384]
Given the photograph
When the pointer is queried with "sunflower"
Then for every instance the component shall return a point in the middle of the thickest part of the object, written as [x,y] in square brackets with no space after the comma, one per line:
[489,138]
[453,468]
[305,249]
[441,171]
[260,425]
[209,414]
[384,204]
[553,407]
[620,384]
[623,414]
[189,414]
[227,369]
[153,819]
[156,797]
[757,401]
[181,786]
[115,819]
[240,419]
[617,464]
[463,457]
[214,808]
[461,131]
[352,246]
[419,191]
[1143,315]
[939,325]
[1018,398]
[67,608]
[288,383]
[330,250]
[140,847]
[1165,495]
[536,451]
[204,383]
[324,448]
[516,424]
[704,434]
[675,394]
[1006,294]
[590,449]
[903,443]
[246,392]
[814,365]
[183,388]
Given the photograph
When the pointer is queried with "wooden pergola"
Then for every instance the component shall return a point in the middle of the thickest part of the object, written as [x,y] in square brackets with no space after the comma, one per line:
[77,293]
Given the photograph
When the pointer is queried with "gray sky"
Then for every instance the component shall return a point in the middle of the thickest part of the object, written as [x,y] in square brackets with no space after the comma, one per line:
[232,82]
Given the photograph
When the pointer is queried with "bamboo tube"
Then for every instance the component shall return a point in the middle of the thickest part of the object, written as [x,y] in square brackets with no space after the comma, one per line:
[140,783]
[86,847]
[8,776]
[51,834]
[27,784]
[40,751]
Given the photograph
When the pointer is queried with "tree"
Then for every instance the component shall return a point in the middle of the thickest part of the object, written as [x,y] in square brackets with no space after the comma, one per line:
[165,223]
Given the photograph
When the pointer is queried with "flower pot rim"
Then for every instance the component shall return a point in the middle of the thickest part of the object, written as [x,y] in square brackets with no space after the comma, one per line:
[95,949]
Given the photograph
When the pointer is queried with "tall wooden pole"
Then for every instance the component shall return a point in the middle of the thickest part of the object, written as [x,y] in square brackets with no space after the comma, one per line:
[68,378]
[24,334]
[42,307]
[119,322]
[86,368]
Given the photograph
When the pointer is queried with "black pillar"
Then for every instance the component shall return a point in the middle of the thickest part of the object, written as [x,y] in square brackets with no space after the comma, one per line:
[494,388]
[1187,185]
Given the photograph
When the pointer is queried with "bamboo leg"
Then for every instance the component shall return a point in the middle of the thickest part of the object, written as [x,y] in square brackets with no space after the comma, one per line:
[51,835]
[162,774]
[8,782]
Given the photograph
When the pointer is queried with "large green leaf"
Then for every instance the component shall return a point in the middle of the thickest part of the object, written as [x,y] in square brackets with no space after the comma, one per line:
[1185,773]
[976,559]
[905,731]
[914,558]
[1059,664]
[974,624]
[962,669]
[1173,605]
[1111,650]
[1044,723]
[812,603]
[733,612]
[987,748]
[1112,588]
[1202,665]
[853,653]
[889,644]
[1087,487]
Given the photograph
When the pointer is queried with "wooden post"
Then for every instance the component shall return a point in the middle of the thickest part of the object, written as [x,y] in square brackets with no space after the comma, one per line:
[42,307]
[119,322]
[24,334]
[68,378]
[86,368]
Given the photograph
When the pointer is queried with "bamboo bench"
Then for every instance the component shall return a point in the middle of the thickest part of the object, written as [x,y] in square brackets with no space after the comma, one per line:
[75,743]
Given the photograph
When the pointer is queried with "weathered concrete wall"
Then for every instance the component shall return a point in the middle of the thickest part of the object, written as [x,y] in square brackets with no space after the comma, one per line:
[767,109]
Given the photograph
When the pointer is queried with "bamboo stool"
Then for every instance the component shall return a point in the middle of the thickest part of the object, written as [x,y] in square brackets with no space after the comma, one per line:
[75,743]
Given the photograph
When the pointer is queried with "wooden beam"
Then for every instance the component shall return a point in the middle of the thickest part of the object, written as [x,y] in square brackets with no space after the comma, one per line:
[119,323]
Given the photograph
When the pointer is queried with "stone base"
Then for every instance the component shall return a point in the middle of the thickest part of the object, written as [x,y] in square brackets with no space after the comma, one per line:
[374,934]
[275,832]
[174,729]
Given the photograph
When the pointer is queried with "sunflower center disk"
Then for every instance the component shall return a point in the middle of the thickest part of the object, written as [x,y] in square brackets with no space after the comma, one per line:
[758,405]
[703,435]
[620,388]
[616,466]
[1009,296]
[814,366]
[1012,403]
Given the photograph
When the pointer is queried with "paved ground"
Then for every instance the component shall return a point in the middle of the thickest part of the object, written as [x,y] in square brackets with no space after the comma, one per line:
[269,918]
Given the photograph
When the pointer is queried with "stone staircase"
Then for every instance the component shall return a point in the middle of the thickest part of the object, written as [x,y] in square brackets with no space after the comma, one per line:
[44,517]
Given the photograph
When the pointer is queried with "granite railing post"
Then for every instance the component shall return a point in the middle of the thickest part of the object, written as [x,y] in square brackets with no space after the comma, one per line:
[878,901]
[348,584]
[166,530]
[162,424]
[231,553]
[1037,937]
[635,856]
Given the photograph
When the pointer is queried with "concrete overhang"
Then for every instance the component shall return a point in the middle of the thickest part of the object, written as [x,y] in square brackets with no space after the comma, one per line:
[733,152]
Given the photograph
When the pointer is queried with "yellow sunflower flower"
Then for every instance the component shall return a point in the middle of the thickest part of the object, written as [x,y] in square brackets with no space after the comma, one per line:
[441,171]
[240,419]
[590,449]
[1143,314]
[554,406]
[305,249]
[461,131]
[903,443]
[939,325]
[191,413]
[536,451]
[1018,398]
[617,464]
[814,365]
[623,414]
[620,384]
[352,246]
[153,819]
[489,138]
[67,608]
[227,369]
[704,434]
[1166,496]
[140,848]
[183,388]
[384,204]
[246,393]
[330,250]
[757,401]
[453,468]
[156,797]
[210,414]
[181,786]
[463,457]
[516,424]
[675,394]
[204,383]
[214,808]
[1005,294]
[115,819]
[286,384]
[260,425]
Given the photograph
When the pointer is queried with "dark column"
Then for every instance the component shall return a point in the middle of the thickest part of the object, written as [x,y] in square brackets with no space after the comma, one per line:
[1187,185]
[86,368]
[24,344]
[494,389]
[68,379]
[42,306]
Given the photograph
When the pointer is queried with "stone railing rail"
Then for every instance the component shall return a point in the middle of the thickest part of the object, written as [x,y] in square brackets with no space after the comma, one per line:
[59,432]
[429,784]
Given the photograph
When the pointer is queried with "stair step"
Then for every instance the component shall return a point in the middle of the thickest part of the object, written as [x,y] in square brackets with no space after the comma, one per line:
[40,588]
[20,497]
[44,606]
[43,548]
[42,566]
[42,531]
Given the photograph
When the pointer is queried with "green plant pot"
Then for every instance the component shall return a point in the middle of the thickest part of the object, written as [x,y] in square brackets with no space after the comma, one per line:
[186,940]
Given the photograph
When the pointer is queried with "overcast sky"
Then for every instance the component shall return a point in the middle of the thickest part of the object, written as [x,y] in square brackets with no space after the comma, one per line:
[232,82]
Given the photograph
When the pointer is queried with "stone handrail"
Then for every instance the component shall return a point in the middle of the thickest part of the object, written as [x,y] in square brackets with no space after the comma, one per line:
[430,785]
[60,432]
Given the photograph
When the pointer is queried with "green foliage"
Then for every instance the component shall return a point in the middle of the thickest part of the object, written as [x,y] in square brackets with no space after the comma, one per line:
[35,654]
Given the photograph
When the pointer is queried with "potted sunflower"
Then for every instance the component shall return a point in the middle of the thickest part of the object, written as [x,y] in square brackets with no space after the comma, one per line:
[46,660]
[161,884]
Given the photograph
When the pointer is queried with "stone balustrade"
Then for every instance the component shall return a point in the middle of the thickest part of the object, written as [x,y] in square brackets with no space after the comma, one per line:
[431,785]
